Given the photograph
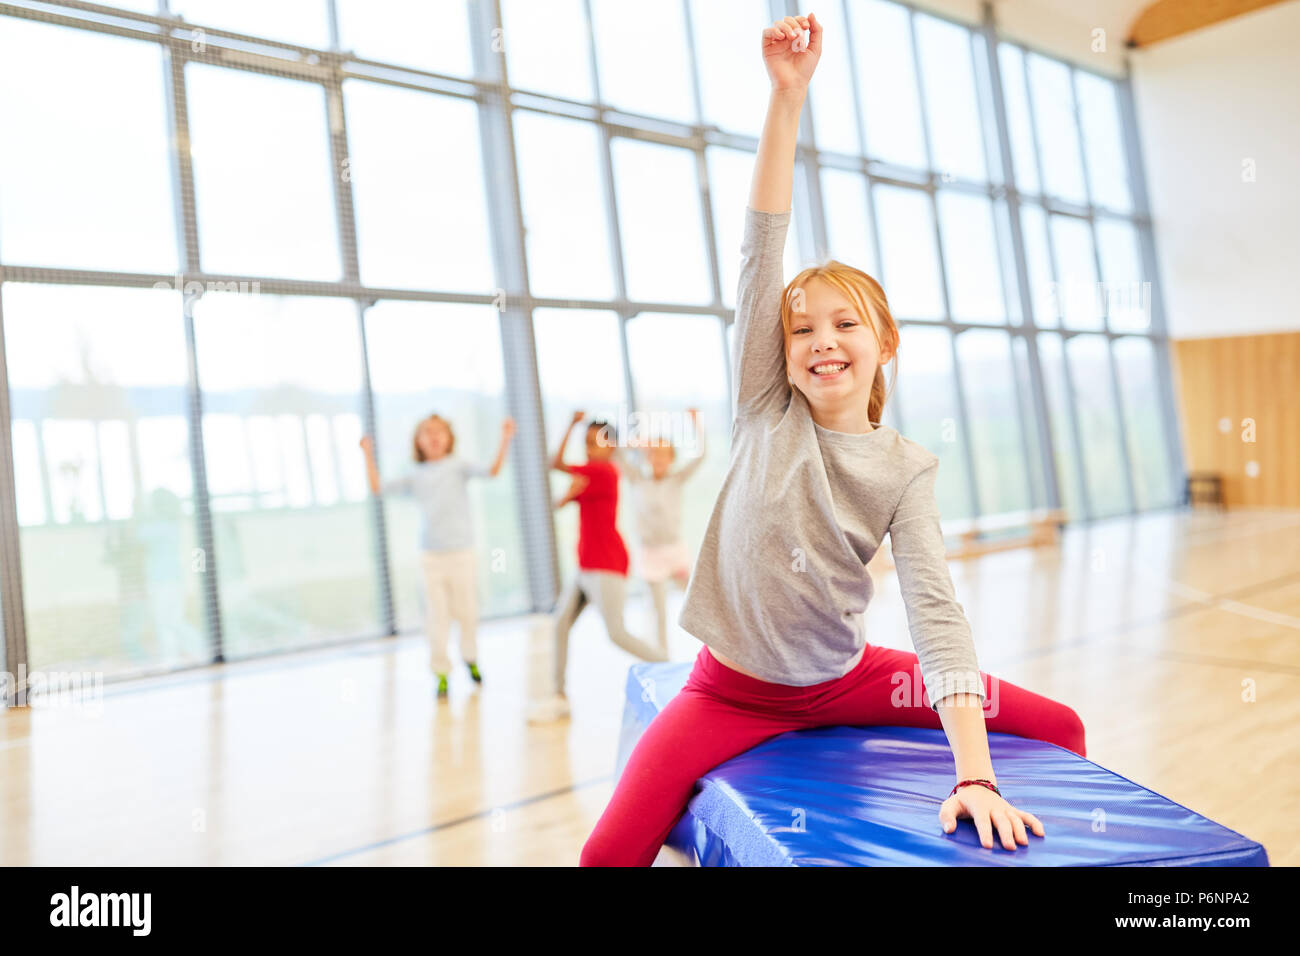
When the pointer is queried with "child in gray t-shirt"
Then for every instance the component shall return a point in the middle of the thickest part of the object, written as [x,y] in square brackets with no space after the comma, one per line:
[438,483]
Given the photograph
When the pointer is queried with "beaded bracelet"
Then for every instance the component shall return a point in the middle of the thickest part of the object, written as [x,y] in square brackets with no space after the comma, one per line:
[981,781]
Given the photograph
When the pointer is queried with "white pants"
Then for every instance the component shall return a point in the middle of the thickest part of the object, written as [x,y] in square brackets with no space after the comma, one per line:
[451,592]
[607,590]
[658,565]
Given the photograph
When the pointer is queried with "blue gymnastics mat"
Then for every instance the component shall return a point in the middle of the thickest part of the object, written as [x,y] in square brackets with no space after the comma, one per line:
[870,796]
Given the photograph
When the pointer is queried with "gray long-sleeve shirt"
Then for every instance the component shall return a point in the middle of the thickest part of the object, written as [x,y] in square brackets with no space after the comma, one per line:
[439,487]
[780,585]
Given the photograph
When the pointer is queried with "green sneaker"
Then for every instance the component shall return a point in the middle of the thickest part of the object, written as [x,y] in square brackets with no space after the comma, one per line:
[442,685]
[473,672]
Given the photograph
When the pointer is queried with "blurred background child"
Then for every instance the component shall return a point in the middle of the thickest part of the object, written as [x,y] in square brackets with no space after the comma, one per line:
[656,495]
[602,558]
[438,482]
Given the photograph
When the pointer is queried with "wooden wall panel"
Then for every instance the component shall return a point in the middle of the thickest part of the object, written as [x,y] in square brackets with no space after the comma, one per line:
[1170,18]
[1242,377]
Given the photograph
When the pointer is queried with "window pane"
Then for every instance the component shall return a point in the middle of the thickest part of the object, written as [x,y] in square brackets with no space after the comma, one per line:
[1103,141]
[1051,357]
[417,182]
[414,374]
[626,56]
[730,172]
[970,256]
[984,358]
[28,468]
[733,81]
[677,363]
[565,226]
[1028,415]
[1009,278]
[304,22]
[580,364]
[848,226]
[887,87]
[952,112]
[662,228]
[296,563]
[988,121]
[1076,273]
[263,187]
[1038,263]
[909,262]
[1098,424]
[1058,137]
[91,190]
[927,391]
[1011,65]
[1128,299]
[1143,420]
[107,527]
[830,101]
[546,47]
[430,35]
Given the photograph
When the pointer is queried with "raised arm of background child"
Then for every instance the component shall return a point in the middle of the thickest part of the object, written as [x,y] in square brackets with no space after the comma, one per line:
[557,462]
[372,470]
[701,449]
[507,432]
[576,488]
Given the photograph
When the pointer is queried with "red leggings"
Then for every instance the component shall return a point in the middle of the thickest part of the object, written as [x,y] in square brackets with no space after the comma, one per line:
[721,713]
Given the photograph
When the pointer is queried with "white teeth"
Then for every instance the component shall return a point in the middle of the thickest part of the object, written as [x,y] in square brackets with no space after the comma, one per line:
[819,369]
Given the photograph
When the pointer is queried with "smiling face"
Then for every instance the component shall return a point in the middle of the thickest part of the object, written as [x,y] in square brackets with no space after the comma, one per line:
[434,439]
[831,352]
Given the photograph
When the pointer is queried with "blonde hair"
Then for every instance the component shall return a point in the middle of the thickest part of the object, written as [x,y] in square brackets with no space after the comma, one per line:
[869,302]
[415,440]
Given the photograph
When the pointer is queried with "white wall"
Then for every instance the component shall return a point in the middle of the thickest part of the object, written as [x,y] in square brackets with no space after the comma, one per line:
[1207,101]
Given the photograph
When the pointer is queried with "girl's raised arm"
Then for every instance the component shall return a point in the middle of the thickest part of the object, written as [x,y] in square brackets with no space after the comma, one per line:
[759,378]
[789,72]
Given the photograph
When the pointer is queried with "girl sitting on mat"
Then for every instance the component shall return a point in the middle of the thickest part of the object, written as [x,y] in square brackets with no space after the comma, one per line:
[438,483]
[780,584]
[657,501]
[602,559]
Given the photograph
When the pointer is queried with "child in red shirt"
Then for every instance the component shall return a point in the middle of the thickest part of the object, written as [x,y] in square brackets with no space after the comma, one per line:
[602,558]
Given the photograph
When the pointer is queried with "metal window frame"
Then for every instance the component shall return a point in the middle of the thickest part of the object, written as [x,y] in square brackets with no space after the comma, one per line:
[496,101]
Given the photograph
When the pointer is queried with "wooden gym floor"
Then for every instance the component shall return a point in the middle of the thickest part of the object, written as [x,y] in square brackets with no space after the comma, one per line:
[1150,628]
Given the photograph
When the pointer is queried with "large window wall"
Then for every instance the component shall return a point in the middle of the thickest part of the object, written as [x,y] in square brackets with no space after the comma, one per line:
[233,258]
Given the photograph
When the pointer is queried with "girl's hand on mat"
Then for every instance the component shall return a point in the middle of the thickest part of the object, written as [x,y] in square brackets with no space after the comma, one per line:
[988,809]
[578,417]
[787,67]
